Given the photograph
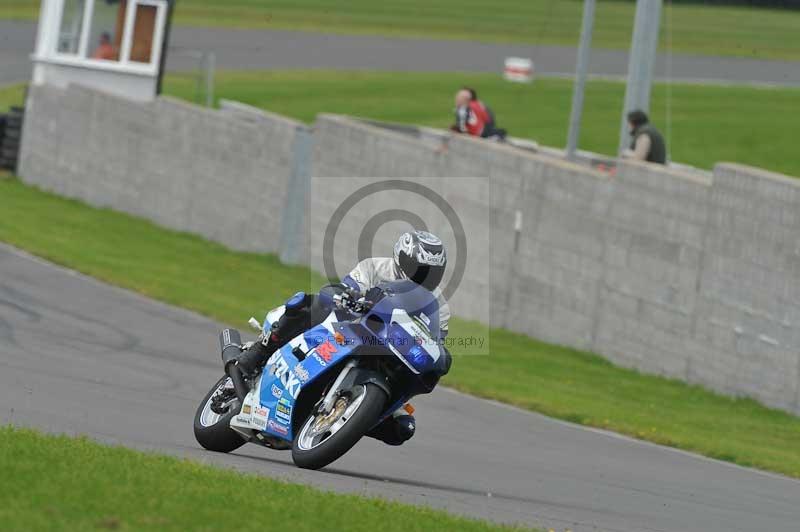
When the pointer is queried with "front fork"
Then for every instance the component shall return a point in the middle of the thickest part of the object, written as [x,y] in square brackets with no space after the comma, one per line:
[331,396]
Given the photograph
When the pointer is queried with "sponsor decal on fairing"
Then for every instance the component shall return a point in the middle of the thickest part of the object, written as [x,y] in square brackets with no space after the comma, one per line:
[276,392]
[278,428]
[283,410]
[302,374]
[291,380]
[259,417]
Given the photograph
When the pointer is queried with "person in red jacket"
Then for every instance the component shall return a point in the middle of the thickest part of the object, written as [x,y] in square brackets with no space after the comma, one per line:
[105,50]
[474,117]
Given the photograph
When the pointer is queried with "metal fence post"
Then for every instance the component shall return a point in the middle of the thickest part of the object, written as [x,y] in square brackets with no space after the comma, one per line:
[210,62]
[584,51]
[641,63]
[293,241]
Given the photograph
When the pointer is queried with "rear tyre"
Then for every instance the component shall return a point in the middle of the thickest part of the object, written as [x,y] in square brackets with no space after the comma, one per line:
[323,439]
[211,429]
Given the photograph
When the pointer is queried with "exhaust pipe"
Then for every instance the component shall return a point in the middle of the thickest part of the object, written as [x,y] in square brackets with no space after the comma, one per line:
[239,386]
[230,342]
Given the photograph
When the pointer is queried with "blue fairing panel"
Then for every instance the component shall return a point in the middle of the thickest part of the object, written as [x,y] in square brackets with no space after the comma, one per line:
[323,352]
[280,386]
[284,376]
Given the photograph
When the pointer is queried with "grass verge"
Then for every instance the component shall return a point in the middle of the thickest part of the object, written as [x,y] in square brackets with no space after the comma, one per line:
[696,29]
[11,95]
[63,483]
[707,124]
[205,277]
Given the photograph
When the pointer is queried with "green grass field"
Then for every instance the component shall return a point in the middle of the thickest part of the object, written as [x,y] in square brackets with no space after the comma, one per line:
[11,95]
[61,483]
[708,123]
[205,277]
[739,31]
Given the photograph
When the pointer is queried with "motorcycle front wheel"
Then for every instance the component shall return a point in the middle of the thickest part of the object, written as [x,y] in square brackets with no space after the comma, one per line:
[325,437]
[212,429]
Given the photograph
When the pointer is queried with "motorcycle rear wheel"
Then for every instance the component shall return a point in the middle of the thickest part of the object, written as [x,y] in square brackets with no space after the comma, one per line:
[213,431]
[322,439]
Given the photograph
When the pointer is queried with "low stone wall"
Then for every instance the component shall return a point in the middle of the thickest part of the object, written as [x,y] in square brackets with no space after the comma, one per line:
[221,174]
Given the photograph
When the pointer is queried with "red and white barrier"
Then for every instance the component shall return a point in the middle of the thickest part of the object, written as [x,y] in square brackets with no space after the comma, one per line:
[518,69]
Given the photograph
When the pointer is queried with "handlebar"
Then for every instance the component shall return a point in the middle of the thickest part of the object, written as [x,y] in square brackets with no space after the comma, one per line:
[353,301]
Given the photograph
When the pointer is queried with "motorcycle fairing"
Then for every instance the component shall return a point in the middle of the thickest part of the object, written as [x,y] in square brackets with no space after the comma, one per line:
[406,334]
[356,334]
[252,415]
[285,376]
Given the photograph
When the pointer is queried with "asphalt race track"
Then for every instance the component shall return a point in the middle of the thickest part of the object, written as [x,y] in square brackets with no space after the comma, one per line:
[275,49]
[78,356]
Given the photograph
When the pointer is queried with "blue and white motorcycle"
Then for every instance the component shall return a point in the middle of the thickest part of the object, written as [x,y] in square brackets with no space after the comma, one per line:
[329,386]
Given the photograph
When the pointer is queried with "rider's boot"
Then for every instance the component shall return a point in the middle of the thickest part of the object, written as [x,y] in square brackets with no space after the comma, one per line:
[397,428]
[251,360]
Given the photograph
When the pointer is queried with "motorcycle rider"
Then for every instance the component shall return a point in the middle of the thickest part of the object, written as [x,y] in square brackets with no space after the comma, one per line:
[418,256]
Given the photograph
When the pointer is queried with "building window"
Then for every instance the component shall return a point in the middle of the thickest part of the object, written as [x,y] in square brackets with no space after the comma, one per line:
[97,33]
[107,26]
[143,31]
[69,35]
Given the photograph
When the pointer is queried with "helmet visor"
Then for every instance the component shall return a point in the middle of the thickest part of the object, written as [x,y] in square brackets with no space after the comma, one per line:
[424,275]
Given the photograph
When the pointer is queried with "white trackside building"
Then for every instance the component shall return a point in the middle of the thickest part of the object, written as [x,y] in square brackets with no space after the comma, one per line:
[116,46]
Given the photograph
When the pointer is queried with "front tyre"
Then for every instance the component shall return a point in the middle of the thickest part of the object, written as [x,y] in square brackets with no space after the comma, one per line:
[212,420]
[325,437]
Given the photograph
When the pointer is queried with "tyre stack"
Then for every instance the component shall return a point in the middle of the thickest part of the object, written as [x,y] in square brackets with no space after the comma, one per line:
[10,136]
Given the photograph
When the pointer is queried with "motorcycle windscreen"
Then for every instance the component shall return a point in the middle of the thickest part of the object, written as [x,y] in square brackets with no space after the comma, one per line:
[417,302]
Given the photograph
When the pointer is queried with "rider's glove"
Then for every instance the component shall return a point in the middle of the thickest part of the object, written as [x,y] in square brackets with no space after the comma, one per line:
[343,299]
[374,294]
[351,300]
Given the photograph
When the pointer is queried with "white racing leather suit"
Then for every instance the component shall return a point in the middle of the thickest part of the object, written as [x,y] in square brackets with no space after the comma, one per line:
[370,272]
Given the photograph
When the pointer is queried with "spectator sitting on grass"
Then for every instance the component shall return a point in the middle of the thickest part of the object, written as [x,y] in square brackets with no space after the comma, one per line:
[647,144]
[474,117]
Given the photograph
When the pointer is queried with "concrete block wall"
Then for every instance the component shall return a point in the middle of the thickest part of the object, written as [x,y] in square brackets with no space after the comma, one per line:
[349,154]
[677,273]
[558,266]
[221,174]
[654,238]
[747,337]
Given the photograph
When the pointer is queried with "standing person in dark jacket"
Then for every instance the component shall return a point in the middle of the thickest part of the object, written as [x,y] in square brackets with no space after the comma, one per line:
[647,143]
